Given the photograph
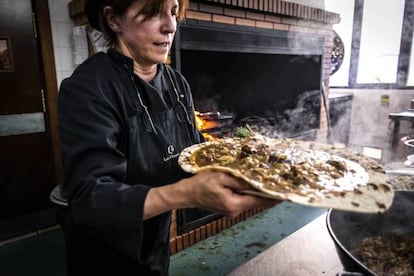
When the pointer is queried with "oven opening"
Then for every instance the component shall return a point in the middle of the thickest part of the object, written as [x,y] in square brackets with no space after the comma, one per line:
[267,79]
[276,91]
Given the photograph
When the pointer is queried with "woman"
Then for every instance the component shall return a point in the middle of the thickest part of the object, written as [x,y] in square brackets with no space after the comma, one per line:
[124,117]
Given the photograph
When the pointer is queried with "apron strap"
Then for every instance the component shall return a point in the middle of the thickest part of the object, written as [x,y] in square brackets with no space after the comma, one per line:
[178,99]
[175,95]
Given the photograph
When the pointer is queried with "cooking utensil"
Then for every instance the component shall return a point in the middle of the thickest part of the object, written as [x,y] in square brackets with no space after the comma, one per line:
[215,116]
[213,121]
[347,229]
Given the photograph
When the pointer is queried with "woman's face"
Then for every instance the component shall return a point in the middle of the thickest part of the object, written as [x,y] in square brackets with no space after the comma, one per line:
[147,40]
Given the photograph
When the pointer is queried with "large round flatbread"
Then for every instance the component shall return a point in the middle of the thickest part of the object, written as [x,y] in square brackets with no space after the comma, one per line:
[361,185]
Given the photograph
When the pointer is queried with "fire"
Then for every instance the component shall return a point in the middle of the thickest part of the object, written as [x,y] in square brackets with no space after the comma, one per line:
[203,124]
[198,121]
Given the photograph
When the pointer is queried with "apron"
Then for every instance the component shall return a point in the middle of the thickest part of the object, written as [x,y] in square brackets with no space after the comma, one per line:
[156,140]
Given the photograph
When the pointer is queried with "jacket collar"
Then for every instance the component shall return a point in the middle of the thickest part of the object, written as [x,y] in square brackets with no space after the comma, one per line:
[123,60]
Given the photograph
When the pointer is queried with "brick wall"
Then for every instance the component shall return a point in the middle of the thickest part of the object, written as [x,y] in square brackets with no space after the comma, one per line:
[180,242]
[267,14]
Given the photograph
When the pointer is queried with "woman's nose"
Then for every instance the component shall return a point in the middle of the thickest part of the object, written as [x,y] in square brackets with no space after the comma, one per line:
[169,24]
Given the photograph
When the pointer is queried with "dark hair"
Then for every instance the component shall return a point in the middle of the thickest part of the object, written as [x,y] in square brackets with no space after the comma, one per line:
[119,7]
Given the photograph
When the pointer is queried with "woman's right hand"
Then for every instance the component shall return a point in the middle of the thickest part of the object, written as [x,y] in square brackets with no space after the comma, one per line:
[210,190]
[221,192]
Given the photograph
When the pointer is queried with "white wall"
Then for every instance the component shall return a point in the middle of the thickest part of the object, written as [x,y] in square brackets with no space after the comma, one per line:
[62,25]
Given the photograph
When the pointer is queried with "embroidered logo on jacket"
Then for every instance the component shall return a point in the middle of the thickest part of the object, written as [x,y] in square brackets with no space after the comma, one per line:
[171,155]
[170,149]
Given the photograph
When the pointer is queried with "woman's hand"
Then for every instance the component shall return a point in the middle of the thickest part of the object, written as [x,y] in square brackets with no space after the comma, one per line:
[220,192]
[211,190]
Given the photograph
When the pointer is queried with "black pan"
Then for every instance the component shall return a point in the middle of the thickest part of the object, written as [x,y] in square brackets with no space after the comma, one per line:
[347,229]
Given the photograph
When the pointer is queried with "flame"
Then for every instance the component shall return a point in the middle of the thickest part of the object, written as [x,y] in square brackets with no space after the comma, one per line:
[203,124]
[198,121]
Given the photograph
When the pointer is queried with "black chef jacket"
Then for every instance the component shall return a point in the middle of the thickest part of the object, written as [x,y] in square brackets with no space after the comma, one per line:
[114,152]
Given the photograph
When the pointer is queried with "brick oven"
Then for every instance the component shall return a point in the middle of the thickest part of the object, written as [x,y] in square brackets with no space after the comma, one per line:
[254,61]
[270,80]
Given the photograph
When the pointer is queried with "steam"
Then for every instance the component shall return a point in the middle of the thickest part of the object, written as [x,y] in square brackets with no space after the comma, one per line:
[208,98]
[300,118]
[276,123]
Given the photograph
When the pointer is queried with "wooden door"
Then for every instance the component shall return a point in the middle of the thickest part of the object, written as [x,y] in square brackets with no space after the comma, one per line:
[26,160]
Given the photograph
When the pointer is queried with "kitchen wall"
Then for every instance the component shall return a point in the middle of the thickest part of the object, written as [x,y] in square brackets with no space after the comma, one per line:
[370,125]
[63,45]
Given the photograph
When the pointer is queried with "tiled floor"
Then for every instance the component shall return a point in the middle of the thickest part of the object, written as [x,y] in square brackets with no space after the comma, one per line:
[43,254]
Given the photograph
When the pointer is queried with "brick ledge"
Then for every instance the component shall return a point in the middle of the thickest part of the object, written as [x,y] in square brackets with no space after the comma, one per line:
[279,7]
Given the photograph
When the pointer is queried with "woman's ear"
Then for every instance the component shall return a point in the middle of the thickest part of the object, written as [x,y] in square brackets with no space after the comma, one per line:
[111,19]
